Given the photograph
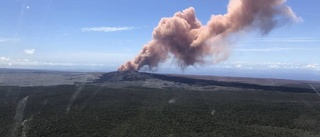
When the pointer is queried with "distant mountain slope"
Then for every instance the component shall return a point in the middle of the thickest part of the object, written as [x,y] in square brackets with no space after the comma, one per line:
[120,76]
[17,77]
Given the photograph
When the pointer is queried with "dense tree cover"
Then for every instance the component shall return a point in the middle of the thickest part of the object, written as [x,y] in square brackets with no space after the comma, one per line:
[138,111]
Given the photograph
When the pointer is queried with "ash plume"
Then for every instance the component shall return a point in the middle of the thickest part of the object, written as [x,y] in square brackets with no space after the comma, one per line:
[184,38]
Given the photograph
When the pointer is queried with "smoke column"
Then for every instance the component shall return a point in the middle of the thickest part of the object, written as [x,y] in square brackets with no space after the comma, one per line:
[184,38]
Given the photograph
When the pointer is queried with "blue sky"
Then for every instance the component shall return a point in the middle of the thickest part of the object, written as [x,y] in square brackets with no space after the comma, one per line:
[100,35]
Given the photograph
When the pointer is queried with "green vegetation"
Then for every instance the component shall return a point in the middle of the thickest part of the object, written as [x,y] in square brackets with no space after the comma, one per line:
[138,111]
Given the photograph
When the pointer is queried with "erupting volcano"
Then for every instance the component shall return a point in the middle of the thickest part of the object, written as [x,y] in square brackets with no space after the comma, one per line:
[184,38]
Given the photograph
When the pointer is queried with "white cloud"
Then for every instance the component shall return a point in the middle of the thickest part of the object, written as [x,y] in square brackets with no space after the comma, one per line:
[9,39]
[274,66]
[4,59]
[90,57]
[3,40]
[106,29]
[312,66]
[269,66]
[274,49]
[29,51]
[26,63]
[293,39]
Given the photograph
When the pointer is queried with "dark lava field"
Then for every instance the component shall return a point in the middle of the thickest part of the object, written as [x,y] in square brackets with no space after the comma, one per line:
[211,108]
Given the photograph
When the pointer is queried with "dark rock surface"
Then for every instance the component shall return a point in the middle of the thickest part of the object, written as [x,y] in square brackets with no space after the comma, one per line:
[119,76]
[123,76]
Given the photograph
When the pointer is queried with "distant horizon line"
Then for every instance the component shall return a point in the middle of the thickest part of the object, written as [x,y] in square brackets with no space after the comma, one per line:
[223,74]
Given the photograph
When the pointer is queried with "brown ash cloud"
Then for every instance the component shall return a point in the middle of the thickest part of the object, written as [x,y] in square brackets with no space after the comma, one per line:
[185,39]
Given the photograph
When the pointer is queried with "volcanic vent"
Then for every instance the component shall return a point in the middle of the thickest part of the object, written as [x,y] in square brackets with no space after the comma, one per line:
[123,76]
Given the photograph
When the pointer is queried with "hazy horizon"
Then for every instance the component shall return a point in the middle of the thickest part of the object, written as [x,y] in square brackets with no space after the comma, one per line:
[288,75]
